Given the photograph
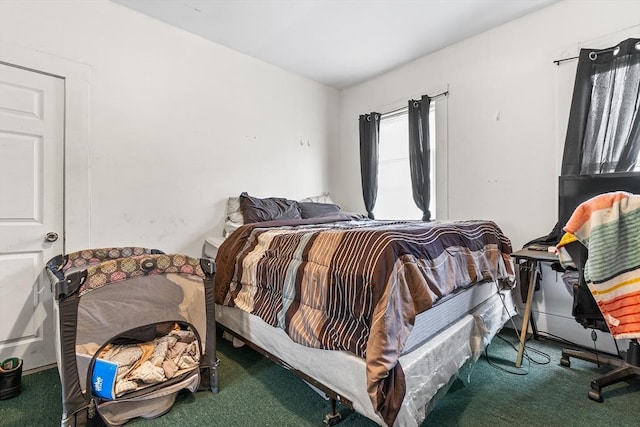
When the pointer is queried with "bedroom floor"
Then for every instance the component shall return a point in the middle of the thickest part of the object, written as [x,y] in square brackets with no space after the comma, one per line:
[254,391]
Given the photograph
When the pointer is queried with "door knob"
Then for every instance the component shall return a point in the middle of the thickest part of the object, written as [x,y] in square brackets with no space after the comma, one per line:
[51,237]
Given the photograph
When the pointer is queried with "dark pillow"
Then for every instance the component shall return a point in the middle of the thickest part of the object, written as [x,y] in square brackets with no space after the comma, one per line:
[314,210]
[255,209]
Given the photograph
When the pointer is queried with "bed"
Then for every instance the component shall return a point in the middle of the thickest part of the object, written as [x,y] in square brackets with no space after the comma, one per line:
[378,315]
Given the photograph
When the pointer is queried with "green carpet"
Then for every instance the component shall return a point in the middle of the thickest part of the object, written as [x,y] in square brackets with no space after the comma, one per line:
[256,392]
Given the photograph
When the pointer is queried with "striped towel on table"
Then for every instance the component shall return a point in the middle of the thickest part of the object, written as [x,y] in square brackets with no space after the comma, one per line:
[609,226]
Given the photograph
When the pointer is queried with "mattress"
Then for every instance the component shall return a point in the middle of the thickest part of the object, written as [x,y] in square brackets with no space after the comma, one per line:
[444,339]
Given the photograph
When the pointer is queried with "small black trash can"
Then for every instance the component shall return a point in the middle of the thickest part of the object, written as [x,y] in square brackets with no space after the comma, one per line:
[10,377]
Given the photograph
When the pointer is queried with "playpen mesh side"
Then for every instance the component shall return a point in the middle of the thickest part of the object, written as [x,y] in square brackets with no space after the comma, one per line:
[172,290]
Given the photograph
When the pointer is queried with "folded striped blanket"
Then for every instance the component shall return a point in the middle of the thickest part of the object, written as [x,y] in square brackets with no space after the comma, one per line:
[609,226]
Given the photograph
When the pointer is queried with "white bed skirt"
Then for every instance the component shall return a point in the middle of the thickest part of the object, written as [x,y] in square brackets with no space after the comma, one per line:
[428,368]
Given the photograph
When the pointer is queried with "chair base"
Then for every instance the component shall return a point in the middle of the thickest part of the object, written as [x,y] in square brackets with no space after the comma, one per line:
[625,369]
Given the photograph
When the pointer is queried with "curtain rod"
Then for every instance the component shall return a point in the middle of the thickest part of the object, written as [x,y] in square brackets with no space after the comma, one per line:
[558,61]
[592,55]
[398,110]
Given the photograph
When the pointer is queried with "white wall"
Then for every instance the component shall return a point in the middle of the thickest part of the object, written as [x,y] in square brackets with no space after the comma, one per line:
[507,111]
[177,123]
[167,142]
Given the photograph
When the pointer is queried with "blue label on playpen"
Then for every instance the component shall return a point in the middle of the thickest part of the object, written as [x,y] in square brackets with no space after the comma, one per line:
[103,379]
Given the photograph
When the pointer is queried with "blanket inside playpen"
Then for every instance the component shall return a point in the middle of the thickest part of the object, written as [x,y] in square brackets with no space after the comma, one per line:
[142,364]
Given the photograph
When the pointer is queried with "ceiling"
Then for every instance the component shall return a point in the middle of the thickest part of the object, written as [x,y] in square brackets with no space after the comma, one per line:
[339,43]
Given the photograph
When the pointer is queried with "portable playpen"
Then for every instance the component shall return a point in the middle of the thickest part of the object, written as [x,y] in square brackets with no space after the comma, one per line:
[147,316]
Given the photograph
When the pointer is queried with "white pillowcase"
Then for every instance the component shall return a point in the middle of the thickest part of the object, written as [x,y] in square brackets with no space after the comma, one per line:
[234,213]
[230,227]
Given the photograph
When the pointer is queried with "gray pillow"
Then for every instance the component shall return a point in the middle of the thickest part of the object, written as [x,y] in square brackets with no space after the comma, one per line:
[255,209]
[315,210]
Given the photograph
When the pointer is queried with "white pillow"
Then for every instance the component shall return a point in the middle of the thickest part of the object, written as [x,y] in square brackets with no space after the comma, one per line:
[230,227]
[234,213]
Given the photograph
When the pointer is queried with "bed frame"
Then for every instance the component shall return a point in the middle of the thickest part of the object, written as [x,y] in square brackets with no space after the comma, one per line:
[401,259]
[488,316]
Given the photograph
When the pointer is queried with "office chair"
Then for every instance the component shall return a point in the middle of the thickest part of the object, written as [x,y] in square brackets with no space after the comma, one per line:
[587,313]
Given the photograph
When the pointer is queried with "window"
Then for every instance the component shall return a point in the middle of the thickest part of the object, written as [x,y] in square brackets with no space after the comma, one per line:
[395,196]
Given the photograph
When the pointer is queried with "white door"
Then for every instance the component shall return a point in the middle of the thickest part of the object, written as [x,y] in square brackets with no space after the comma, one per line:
[31,206]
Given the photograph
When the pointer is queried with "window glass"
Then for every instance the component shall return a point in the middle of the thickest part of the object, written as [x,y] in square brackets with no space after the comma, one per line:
[395,196]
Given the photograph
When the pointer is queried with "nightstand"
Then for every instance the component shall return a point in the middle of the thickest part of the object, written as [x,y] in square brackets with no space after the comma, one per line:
[210,247]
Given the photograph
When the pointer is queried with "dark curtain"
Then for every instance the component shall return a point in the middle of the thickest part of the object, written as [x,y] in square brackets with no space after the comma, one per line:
[603,131]
[369,143]
[419,154]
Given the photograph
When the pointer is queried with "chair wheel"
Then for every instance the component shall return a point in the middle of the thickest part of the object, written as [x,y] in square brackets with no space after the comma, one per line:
[595,395]
[564,361]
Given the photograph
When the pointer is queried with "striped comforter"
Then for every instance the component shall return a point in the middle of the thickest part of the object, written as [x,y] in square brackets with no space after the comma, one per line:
[609,226]
[356,285]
